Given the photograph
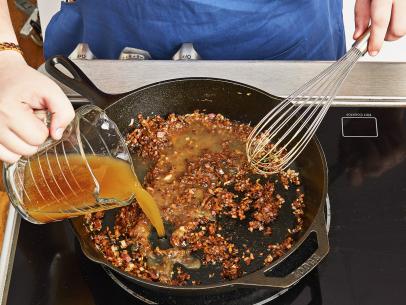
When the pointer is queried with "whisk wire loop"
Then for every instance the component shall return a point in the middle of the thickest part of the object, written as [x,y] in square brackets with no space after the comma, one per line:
[284,132]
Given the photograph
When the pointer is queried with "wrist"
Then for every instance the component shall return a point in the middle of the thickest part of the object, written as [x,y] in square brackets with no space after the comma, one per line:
[11,57]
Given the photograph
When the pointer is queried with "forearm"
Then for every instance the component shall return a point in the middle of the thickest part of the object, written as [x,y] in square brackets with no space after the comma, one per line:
[6,28]
[7,35]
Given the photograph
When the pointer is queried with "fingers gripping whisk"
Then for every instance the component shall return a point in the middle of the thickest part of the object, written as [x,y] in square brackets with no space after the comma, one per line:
[284,132]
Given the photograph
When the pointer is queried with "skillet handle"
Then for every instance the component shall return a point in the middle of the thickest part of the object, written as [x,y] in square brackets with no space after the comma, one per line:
[259,279]
[79,82]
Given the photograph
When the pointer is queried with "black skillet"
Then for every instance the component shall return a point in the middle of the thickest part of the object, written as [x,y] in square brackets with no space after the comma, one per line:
[238,102]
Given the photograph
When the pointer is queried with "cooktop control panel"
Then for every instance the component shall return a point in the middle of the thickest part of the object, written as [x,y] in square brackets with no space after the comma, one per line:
[359,125]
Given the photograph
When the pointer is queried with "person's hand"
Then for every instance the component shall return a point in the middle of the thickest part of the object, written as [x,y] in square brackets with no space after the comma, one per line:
[23,90]
[387,18]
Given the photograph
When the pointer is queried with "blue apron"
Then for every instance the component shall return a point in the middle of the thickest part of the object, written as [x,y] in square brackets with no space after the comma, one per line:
[229,29]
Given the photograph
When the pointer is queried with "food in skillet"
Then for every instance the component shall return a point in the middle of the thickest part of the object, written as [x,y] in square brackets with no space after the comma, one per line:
[198,173]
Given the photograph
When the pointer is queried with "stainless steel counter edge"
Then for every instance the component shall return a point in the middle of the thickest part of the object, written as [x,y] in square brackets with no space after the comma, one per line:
[8,251]
[371,84]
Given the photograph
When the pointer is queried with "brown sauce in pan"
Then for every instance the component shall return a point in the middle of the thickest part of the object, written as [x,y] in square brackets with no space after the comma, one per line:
[189,144]
[196,166]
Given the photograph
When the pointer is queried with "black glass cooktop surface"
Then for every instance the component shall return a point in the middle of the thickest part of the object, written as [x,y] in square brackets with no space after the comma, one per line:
[366,153]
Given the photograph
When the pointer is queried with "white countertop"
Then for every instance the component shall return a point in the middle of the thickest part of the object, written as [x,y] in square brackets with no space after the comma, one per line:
[369,84]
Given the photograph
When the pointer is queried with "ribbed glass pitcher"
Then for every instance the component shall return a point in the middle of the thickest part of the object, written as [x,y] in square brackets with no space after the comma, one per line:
[88,170]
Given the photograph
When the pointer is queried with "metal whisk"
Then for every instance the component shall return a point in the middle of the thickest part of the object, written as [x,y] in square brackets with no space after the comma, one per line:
[284,132]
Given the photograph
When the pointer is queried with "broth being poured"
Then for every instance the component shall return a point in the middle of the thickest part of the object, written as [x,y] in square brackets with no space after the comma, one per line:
[56,188]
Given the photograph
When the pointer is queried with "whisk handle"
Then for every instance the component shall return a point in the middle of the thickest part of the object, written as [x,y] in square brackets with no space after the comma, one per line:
[362,42]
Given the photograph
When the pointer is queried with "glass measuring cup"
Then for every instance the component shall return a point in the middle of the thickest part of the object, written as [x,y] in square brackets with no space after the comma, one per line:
[84,172]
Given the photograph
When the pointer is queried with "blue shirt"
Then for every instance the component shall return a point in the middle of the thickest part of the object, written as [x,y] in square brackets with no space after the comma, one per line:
[228,29]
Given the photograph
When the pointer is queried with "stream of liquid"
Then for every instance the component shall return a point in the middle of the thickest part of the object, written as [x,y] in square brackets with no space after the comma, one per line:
[62,187]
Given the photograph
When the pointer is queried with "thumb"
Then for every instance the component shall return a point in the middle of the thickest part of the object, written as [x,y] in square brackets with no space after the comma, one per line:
[62,112]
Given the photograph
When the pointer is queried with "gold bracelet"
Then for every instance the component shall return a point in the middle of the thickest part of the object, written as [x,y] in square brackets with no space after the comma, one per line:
[9,46]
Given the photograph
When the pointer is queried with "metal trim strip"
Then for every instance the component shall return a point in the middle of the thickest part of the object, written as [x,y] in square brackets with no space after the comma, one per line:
[8,251]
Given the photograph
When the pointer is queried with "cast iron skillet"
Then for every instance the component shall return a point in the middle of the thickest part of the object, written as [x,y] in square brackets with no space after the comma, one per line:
[235,101]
